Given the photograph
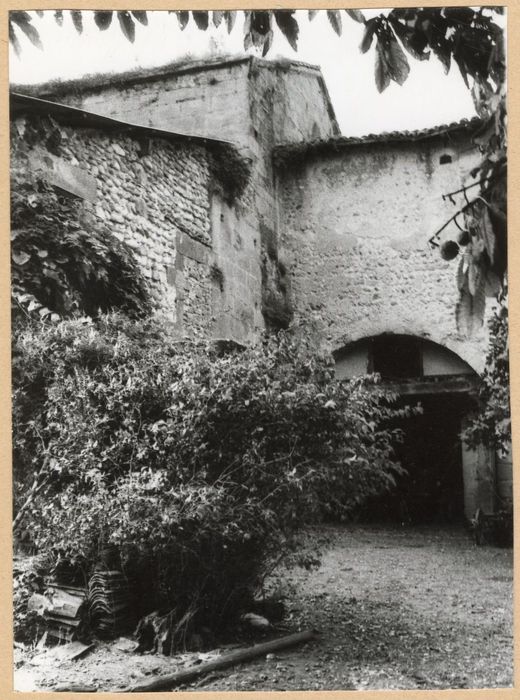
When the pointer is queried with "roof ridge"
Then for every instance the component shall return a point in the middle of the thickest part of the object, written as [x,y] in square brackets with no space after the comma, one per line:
[284,150]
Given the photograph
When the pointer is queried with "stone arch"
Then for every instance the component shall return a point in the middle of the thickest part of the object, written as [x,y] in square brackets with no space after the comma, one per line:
[425,357]
[469,351]
[422,370]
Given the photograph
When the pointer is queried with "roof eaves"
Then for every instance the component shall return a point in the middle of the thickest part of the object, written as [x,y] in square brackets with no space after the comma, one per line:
[77,116]
[234,164]
[286,152]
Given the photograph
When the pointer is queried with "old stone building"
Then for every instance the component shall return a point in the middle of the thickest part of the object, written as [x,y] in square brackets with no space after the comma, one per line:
[249,210]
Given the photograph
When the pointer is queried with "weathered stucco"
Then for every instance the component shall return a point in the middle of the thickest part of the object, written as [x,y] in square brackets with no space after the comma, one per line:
[356,224]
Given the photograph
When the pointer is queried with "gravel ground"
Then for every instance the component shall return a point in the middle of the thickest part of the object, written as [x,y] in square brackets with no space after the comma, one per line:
[395,609]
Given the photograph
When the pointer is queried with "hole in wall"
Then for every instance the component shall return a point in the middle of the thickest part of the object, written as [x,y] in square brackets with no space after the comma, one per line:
[445,158]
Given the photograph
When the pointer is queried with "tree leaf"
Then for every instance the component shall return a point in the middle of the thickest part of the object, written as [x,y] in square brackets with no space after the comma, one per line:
[268,42]
[58,16]
[217,16]
[248,39]
[230,16]
[30,32]
[397,63]
[487,232]
[356,15]
[413,39]
[13,39]
[183,17]
[464,313]
[141,16]
[462,271]
[257,30]
[370,28]
[103,18]
[20,17]
[288,25]
[261,21]
[127,25]
[382,76]
[334,18]
[312,14]
[201,18]
[475,277]
[470,308]
[493,283]
[77,20]
[479,302]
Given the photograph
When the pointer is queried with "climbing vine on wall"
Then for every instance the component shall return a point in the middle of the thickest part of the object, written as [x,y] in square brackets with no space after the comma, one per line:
[60,265]
[492,425]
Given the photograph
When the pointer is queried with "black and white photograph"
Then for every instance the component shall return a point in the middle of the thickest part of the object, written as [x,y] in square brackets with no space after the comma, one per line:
[261,426]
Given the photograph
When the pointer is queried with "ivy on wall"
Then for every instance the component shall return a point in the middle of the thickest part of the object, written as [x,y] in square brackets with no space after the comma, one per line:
[62,261]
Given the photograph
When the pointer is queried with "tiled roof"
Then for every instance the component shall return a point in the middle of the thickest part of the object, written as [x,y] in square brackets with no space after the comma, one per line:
[287,152]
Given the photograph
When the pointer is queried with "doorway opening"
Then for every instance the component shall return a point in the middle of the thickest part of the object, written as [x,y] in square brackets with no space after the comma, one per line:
[431,489]
[441,478]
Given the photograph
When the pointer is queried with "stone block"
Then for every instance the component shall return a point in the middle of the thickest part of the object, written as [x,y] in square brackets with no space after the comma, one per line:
[192,249]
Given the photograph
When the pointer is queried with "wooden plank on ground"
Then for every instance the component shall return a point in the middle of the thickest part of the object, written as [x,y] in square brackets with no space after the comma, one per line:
[226,660]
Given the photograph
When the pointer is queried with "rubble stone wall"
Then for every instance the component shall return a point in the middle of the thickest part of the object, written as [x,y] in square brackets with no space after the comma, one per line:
[160,198]
[253,103]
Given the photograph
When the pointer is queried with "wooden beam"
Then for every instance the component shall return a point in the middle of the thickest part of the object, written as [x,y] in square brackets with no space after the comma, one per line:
[454,384]
[188,675]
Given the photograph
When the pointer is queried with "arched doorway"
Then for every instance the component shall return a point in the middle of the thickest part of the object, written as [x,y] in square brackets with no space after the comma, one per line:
[444,481]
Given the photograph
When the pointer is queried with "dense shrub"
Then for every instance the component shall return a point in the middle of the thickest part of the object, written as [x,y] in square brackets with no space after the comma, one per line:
[27,623]
[198,467]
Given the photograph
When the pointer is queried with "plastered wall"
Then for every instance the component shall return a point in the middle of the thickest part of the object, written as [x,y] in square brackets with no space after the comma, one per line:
[356,224]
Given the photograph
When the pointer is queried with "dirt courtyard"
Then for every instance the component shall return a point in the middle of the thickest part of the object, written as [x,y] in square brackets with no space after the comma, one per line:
[395,608]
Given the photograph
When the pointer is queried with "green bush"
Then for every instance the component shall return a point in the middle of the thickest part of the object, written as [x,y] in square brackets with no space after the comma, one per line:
[199,467]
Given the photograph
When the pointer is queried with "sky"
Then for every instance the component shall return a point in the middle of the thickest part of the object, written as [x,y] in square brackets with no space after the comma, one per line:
[428,98]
